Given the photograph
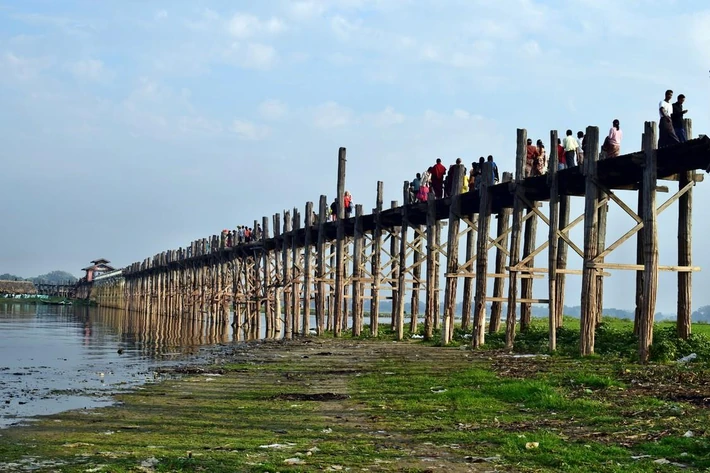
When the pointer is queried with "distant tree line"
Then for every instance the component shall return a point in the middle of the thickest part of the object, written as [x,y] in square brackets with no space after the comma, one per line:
[53,277]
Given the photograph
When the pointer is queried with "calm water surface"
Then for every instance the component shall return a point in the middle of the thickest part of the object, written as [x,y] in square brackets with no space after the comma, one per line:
[56,358]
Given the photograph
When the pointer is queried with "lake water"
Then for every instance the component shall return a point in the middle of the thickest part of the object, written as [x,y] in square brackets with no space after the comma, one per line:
[56,358]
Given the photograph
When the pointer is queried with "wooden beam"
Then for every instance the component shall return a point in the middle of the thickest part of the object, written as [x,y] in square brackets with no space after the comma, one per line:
[287,269]
[452,258]
[376,265]
[401,293]
[553,241]
[320,266]
[685,251]
[358,284]
[484,229]
[339,303]
[521,153]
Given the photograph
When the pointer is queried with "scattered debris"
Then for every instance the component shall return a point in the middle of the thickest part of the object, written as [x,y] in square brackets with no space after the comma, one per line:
[278,445]
[532,445]
[294,461]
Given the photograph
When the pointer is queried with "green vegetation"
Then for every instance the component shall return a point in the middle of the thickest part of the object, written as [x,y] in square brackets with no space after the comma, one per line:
[52,277]
[329,404]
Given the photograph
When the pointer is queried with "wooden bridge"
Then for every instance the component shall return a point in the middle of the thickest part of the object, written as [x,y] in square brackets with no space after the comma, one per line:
[330,268]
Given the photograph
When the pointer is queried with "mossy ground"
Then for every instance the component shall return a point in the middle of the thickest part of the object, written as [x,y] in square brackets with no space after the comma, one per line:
[378,405]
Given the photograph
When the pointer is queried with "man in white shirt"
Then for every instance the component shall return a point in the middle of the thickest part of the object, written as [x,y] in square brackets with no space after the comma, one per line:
[571,146]
[666,133]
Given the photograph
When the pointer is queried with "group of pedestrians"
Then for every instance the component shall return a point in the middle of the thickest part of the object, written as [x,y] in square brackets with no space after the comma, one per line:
[671,129]
[347,203]
[242,235]
[437,182]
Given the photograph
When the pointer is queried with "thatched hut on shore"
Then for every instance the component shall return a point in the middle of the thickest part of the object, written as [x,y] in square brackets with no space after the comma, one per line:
[13,288]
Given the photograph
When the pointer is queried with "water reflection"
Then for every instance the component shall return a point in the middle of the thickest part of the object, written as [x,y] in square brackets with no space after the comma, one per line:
[56,358]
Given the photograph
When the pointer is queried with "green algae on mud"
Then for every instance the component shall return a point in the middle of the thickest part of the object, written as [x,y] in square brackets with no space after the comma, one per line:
[327,405]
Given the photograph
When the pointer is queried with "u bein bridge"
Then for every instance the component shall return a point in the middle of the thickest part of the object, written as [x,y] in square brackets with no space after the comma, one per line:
[310,265]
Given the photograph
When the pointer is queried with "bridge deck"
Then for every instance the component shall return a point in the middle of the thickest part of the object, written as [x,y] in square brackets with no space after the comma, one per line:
[620,173]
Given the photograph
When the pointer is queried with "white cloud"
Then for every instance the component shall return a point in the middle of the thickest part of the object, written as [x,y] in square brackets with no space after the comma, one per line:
[23,68]
[161,14]
[89,69]
[251,56]
[249,131]
[199,124]
[243,25]
[462,114]
[305,10]
[272,109]
[331,115]
[387,117]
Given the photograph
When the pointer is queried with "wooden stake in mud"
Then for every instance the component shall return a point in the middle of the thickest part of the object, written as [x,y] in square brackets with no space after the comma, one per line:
[589,274]
[268,282]
[601,245]
[320,266]
[376,264]
[484,229]
[452,256]
[650,249]
[499,283]
[685,223]
[520,157]
[553,181]
[639,251]
[307,269]
[278,271]
[339,303]
[358,250]
[437,280]
[431,274]
[401,273]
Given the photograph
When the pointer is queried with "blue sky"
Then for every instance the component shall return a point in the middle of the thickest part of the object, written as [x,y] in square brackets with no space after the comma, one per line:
[132,127]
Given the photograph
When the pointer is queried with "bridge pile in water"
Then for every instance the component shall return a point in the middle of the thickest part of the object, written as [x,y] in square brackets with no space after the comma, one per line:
[309,264]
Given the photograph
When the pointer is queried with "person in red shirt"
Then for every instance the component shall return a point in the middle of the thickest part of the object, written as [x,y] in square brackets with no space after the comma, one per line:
[532,154]
[437,171]
[562,161]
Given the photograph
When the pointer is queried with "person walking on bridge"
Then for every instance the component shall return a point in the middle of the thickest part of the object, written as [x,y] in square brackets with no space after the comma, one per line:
[612,142]
[570,145]
[437,172]
[666,133]
[677,119]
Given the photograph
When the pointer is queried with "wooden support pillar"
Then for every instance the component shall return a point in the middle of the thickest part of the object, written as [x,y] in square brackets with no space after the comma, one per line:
[307,269]
[268,282]
[562,249]
[417,276]
[432,248]
[466,306]
[639,251]
[526,284]
[520,156]
[331,286]
[499,283]
[437,280]
[376,264]
[589,274]
[484,229]
[394,268]
[685,235]
[601,246]
[553,180]
[320,266]
[339,303]
[287,270]
[650,244]
[278,271]
[452,256]
[358,250]
[402,265]
[296,272]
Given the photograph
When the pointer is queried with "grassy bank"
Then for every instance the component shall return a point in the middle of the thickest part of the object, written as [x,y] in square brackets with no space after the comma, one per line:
[327,405]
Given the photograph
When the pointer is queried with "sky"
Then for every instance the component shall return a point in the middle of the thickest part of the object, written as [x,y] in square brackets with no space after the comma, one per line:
[131,127]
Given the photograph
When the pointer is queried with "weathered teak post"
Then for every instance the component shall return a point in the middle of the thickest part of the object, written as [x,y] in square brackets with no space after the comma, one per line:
[296,274]
[398,311]
[358,261]
[650,248]
[501,252]
[562,249]
[526,283]
[589,273]
[685,223]
[394,267]
[520,156]
[601,245]
[268,283]
[288,295]
[376,264]
[553,181]
[639,250]
[339,303]
[432,248]
[466,306]
[417,276]
[278,272]
[320,266]
[484,229]
[307,269]
[452,255]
